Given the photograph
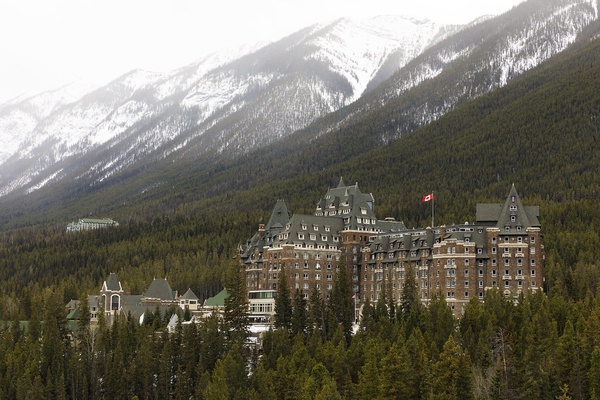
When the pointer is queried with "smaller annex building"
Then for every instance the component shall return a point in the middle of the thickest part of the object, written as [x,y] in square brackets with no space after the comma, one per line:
[114,301]
[501,250]
[85,224]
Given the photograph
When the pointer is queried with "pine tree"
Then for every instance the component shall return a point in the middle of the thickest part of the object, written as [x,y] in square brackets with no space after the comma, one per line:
[452,376]
[395,371]
[283,303]
[299,317]
[316,316]
[341,302]
[236,306]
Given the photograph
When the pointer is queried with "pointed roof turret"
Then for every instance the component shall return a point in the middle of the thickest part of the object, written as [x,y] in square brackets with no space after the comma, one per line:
[160,289]
[112,284]
[341,184]
[279,217]
[512,216]
[189,295]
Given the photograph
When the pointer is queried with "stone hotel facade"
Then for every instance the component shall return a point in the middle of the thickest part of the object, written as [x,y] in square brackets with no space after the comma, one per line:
[502,250]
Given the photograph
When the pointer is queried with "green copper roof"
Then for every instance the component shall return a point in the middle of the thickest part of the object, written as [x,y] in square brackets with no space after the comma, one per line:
[217,300]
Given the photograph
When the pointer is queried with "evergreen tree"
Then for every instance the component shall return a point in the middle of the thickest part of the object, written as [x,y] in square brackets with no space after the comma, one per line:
[299,317]
[452,376]
[410,305]
[341,302]
[395,372]
[316,318]
[236,306]
[594,374]
[283,303]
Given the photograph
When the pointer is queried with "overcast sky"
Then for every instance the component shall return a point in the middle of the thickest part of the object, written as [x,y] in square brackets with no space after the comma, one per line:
[47,42]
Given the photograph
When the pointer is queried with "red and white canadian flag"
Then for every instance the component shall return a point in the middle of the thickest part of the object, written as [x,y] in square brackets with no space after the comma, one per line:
[427,198]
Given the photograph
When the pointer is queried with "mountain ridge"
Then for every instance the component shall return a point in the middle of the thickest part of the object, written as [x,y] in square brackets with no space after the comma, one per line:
[114,164]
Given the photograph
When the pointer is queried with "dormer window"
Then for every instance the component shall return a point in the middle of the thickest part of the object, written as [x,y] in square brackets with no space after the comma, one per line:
[304,227]
[513,208]
[513,218]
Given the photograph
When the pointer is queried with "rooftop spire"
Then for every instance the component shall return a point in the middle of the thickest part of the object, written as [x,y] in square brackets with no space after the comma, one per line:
[341,184]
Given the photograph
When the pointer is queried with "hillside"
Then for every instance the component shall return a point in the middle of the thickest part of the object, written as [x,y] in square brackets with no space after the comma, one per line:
[540,132]
[143,130]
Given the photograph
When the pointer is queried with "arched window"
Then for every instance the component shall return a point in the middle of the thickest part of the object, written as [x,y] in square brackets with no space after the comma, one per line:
[114,302]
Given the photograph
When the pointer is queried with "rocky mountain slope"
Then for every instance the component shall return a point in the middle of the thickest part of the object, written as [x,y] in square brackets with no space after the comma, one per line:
[220,108]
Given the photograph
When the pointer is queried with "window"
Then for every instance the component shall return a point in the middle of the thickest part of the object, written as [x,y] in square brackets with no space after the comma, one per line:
[494,239]
[466,272]
[513,218]
[480,284]
[317,276]
[506,284]
[532,239]
[305,276]
[506,261]
[493,250]
[507,228]
[329,277]
[494,273]
[480,272]
[466,284]
[114,302]
[533,272]
[494,262]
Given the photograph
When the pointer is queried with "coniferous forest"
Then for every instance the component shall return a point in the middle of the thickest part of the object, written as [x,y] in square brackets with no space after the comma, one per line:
[540,132]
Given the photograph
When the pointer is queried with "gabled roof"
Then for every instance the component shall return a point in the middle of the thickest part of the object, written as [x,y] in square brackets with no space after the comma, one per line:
[189,295]
[217,300]
[112,284]
[160,289]
[279,217]
[508,215]
[301,227]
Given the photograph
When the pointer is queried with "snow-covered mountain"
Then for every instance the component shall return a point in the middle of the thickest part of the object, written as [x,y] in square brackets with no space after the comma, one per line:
[226,105]
[221,104]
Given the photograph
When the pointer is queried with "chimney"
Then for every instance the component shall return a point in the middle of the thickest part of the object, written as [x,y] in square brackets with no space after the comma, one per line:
[261,231]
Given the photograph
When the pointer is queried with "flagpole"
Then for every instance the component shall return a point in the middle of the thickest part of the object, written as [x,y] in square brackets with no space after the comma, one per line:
[432,210]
